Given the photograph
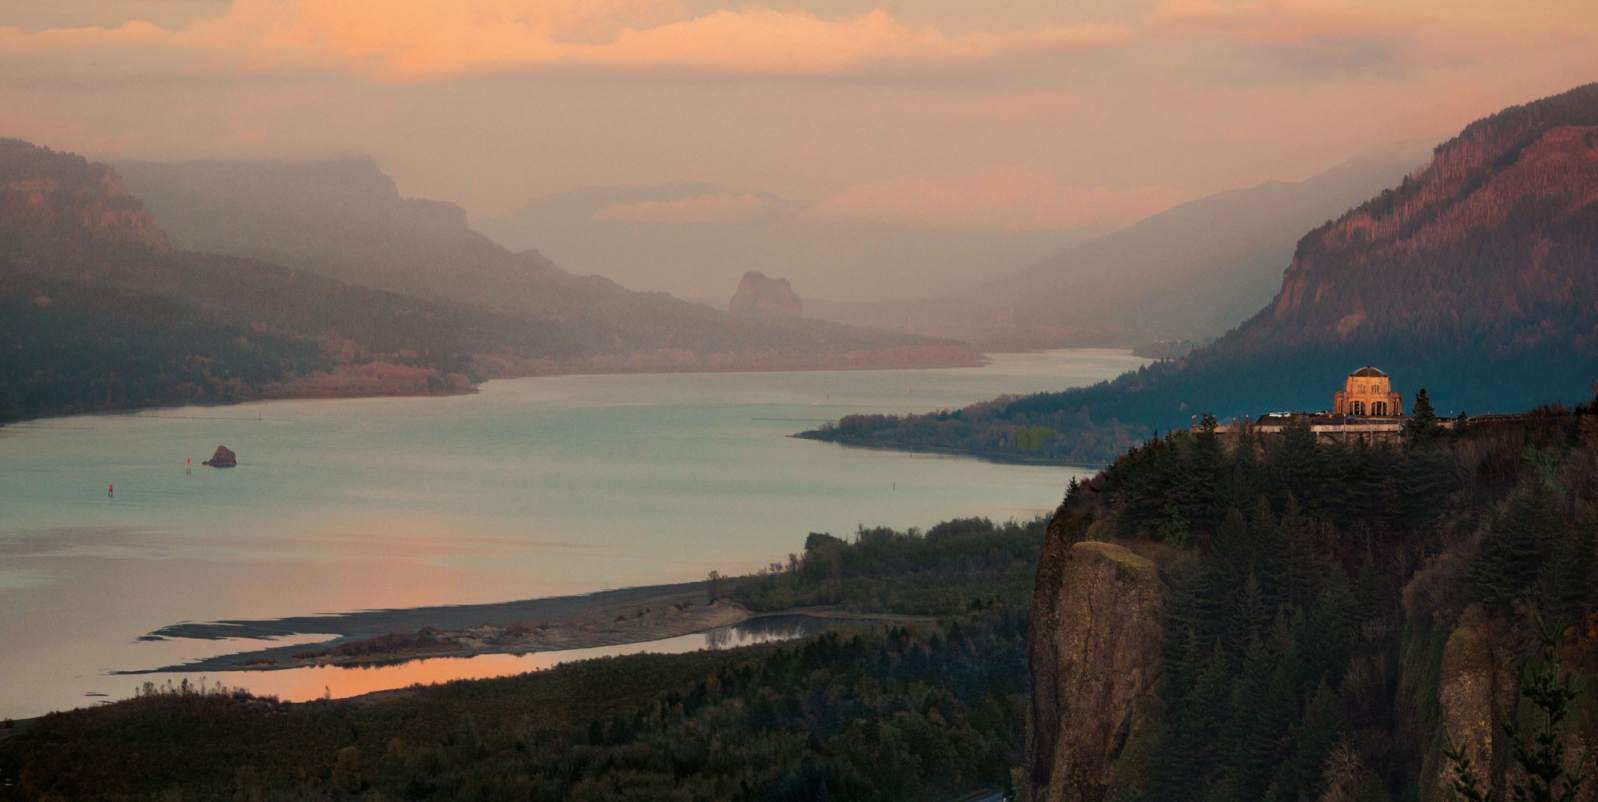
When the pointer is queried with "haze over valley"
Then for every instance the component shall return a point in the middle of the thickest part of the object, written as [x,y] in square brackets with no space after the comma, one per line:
[801,400]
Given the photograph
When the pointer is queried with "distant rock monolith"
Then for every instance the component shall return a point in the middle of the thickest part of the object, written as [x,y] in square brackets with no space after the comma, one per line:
[762,296]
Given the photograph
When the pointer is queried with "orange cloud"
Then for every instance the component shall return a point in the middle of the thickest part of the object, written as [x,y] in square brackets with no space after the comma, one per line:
[1004,198]
[403,40]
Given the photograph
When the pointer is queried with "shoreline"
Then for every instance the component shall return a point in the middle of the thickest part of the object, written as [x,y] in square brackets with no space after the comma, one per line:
[995,458]
[550,624]
[286,391]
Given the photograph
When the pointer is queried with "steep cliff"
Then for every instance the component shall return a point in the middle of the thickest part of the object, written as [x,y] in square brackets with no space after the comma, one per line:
[1097,624]
[64,197]
[1372,611]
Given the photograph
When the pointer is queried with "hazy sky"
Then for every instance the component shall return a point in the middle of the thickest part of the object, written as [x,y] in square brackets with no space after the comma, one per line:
[1021,114]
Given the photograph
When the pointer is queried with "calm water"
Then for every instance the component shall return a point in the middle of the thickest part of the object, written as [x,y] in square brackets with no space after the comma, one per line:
[533,487]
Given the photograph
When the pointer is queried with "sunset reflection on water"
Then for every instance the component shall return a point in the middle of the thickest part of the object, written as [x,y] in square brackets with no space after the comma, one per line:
[341,682]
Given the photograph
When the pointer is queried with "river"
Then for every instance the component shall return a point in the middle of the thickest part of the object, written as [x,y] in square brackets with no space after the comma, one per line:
[531,487]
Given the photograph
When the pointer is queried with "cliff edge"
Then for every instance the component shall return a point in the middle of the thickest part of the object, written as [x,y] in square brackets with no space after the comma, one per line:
[1097,618]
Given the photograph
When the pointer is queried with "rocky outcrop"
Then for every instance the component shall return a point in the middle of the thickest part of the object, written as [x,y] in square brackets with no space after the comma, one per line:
[47,194]
[1097,626]
[1465,700]
[223,458]
[759,295]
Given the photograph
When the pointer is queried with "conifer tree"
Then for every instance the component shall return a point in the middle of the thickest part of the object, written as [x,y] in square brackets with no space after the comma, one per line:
[1295,463]
[1324,724]
[1541,758]
[1422,426]
[1542,755]
[1299,573]
[1511,557]
[1195,744]
[1204,483]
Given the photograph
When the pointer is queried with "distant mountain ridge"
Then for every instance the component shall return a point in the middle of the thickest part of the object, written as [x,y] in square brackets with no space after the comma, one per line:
[696,239]
[1194,270]
[1476,278]
[344,218]
[1187,273]
[99,310]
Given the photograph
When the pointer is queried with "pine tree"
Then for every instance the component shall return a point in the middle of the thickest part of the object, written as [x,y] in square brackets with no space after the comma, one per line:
[1295,462]
[1245,471]
[1324,724]
[1425,480]
[1203,717]
[1422,426]
[1231,551]
[1251,620]
[1466,784]
[1264,708]
[1300,574]
[1512,555]
[1203,484]
[1542,756]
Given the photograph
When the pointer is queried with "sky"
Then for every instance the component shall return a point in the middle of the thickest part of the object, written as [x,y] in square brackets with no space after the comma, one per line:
[1019,115]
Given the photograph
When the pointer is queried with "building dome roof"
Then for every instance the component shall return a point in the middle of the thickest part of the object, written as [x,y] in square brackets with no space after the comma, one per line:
[1367,372]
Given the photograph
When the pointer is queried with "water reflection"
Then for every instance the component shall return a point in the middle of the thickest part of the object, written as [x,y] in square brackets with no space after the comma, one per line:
[764,629]
[338,682]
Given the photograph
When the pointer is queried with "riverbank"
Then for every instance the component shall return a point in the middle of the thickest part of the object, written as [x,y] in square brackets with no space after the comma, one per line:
[380,379]
[379,637]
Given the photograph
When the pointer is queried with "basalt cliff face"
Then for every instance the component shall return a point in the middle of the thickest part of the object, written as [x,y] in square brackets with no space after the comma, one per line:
[1097,620]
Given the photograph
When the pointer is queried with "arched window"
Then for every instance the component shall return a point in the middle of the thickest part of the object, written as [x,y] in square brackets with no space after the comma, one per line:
[1358,408]
[1379,408]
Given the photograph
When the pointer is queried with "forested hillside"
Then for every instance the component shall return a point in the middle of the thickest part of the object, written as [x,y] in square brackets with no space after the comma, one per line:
[1476,278]
[1326,622]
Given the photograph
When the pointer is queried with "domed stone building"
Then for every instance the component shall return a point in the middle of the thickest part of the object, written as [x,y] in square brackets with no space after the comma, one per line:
[1366,410]
[1368,393]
